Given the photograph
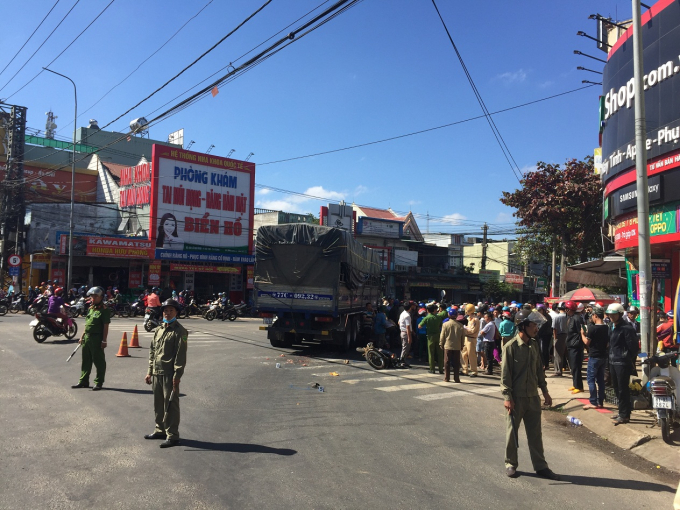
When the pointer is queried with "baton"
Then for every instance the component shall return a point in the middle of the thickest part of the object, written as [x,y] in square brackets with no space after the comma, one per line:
[167,406]
[74,351]
[514,429]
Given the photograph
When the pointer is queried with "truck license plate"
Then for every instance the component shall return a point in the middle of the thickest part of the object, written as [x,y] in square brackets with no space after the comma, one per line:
[268,320]
[662,402]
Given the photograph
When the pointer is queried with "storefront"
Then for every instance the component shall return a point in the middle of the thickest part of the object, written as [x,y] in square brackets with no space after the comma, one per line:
[661,43]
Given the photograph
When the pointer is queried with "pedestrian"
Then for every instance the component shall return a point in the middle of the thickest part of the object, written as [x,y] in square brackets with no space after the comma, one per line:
[433,325]
[470,349]
[451,341]
[507,328]
[167,360]
[575,346]
[93,340]
[405,330]
[623,349]
[596,338]
[479,347]
[488,335]
[560,338]
[379,327]
[521,377]
[545,336]
[422,334]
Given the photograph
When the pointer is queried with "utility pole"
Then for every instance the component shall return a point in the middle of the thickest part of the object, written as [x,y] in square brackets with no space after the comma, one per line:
[553,276]
[485,229]
[644,252]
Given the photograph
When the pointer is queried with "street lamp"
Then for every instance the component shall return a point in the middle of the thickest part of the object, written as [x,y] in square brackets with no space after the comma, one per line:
[69,275]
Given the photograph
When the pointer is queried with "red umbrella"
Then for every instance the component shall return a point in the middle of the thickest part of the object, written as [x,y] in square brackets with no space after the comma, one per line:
[586,294]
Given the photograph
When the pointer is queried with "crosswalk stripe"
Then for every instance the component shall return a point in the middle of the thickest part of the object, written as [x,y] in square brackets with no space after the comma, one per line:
[404,387]
[458,393]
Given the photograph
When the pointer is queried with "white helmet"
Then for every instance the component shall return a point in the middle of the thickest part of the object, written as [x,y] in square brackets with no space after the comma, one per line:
[615,308]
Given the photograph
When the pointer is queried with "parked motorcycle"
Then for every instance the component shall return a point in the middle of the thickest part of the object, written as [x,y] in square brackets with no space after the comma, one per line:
[5,305]
[664,386]
[45,326]
[18,303]
[381,359]
[152,319]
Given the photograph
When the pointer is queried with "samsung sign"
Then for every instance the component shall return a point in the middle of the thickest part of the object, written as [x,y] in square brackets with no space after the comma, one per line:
[661,43]
[625,199]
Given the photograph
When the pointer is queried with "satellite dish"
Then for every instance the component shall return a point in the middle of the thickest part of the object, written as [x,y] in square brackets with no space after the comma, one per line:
[140,124]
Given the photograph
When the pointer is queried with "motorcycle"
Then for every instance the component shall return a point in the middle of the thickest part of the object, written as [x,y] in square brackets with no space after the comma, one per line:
[45,326]
[78,307]
[137,308]
[216,310]
[381,359]
[5,305]
[18,304]
[152,319]
[664,386]
[39,304]
[192,309]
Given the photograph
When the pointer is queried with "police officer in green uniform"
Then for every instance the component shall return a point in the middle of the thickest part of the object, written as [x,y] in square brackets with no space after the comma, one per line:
[93,340]
[521,376]
[167,359]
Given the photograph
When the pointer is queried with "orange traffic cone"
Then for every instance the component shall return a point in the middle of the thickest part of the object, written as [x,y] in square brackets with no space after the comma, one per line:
[123,350]
[134,341]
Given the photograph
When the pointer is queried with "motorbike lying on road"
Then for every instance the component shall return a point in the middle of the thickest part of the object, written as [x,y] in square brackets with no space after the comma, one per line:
[45,326]
[664,386]
[381,359]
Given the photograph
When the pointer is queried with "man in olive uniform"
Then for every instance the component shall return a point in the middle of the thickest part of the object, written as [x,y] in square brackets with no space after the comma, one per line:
[167,359]
[93,340]
[521,376]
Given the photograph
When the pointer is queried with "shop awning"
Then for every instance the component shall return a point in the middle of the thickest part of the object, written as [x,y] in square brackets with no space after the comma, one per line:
[604,272]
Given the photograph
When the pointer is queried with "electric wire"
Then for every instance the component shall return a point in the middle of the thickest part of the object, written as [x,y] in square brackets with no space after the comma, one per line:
[497,134]
[36,51]
[267,2]
[30,37]
[64,50]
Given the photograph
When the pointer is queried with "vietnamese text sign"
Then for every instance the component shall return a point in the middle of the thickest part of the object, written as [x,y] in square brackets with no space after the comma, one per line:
[206,269]
[116,247]
[155,274]
[489,275]
[380,228]
[514,278]
[220,258]
[134,279]
[250,275]
[661,269]
[200,201]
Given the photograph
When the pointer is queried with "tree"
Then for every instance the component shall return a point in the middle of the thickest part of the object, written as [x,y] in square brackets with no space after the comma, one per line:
[498,291]
[559,204]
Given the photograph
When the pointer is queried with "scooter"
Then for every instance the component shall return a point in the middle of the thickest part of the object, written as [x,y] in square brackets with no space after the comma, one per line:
[40,304]
[152,319]
[137,308]
[664,386]
[381,359]
[45,326]
[18,304]
[78,307]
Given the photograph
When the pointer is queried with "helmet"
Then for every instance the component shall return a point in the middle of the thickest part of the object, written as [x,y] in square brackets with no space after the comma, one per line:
[58,291]
[422,311]
[116,291]
[669,314]
[600,304]
[633,309]
[95,291]
[506,308]
[580,307]
[540,306]
[592,303]
[571,305]
[477,309]
[507,314]
[615,308]
[421,304]
[170,302]
[453,312]
[522,318]
[469,308]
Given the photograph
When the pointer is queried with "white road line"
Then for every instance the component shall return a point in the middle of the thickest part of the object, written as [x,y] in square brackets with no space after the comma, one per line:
[459,393]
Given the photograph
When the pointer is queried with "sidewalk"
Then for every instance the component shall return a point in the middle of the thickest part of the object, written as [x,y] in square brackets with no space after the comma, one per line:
[641,435]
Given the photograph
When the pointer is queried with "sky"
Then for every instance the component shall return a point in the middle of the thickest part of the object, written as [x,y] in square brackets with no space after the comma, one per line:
[382,69]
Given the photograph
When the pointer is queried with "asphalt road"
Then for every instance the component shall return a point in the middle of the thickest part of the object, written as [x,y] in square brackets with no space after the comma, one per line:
[254,436]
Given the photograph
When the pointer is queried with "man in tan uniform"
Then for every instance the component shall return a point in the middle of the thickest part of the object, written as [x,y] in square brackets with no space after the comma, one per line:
[470,348]
[451,341]
[167,359]
[521,376]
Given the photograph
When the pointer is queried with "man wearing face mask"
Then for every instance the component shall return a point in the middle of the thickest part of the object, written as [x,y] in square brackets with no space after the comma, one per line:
[167,359]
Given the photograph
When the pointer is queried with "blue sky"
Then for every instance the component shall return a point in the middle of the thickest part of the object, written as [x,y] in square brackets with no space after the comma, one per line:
[382,69]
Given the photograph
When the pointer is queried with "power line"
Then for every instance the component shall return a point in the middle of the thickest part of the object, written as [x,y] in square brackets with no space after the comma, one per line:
[41,45]
[194,62]
[425,130]
[142,62]
[64,50]
[492,124]
[30,37]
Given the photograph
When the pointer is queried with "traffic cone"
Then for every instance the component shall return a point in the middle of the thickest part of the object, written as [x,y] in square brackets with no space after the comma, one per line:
[134,341]
[123,350]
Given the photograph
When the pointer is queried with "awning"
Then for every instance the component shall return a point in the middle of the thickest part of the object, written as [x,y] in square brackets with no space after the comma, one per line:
[604,272]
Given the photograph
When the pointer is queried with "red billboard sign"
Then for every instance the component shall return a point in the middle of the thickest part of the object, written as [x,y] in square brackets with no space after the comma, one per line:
[119,247]
[514,278]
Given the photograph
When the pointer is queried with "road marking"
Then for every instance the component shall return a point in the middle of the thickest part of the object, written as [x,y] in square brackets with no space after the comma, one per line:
[459,393]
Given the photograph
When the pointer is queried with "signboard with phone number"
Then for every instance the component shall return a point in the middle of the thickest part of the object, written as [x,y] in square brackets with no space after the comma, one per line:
[296,295]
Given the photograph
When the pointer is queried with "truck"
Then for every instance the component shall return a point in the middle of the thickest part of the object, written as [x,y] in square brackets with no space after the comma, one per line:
[312,283]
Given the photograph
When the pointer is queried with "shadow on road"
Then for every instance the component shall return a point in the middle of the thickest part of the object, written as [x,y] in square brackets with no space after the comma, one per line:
[234,447]
[594,481]
[136,392]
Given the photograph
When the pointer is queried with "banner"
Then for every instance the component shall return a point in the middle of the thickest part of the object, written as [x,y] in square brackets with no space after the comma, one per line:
[116,247]
[250,275]
[200,202]
[514,278]
[155,274]
[134,279]
[206,269]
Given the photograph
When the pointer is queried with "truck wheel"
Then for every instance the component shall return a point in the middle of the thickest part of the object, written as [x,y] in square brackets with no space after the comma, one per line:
[350,336]
[279,339]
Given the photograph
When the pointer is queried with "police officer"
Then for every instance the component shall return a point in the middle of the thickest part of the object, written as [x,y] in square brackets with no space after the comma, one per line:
[93,340]
[167,359]
[521,376]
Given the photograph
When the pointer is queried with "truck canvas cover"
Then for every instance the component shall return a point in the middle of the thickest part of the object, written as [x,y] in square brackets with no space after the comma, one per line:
[300,255]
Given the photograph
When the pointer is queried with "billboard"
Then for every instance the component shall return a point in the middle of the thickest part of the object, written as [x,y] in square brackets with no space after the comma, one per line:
[380,228]
[200,204]
[92,245]
[44,185]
